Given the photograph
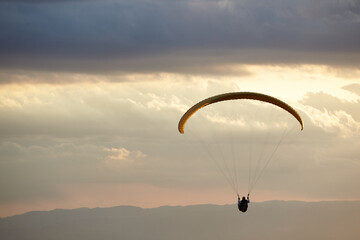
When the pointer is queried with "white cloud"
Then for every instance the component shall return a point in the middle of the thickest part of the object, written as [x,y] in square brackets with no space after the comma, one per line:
[122,157]
[338,122]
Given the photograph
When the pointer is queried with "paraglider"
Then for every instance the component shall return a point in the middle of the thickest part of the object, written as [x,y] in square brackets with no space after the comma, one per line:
[243,203]
[233,178]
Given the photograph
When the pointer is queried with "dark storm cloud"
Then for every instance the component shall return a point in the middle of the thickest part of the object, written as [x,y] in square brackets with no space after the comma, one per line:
[176,36]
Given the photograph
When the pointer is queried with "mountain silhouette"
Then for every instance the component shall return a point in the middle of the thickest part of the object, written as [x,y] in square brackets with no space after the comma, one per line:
[278,220]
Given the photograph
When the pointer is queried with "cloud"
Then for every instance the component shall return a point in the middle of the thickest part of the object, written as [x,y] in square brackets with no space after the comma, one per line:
[354,88]
[32,170]
[333,106]
[175,36]
[126,133]
[112,133]
[338,122]
[118,157]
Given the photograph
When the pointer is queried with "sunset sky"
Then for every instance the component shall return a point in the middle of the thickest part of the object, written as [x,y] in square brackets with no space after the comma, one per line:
[91,93]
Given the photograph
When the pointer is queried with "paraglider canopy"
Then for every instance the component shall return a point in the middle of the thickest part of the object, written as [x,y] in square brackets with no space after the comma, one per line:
[234,96]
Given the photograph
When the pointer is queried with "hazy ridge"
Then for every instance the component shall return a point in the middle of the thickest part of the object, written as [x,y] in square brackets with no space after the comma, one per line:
[265,220]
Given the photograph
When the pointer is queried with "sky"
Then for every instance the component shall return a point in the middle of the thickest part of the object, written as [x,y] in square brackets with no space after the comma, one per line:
[91,93]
